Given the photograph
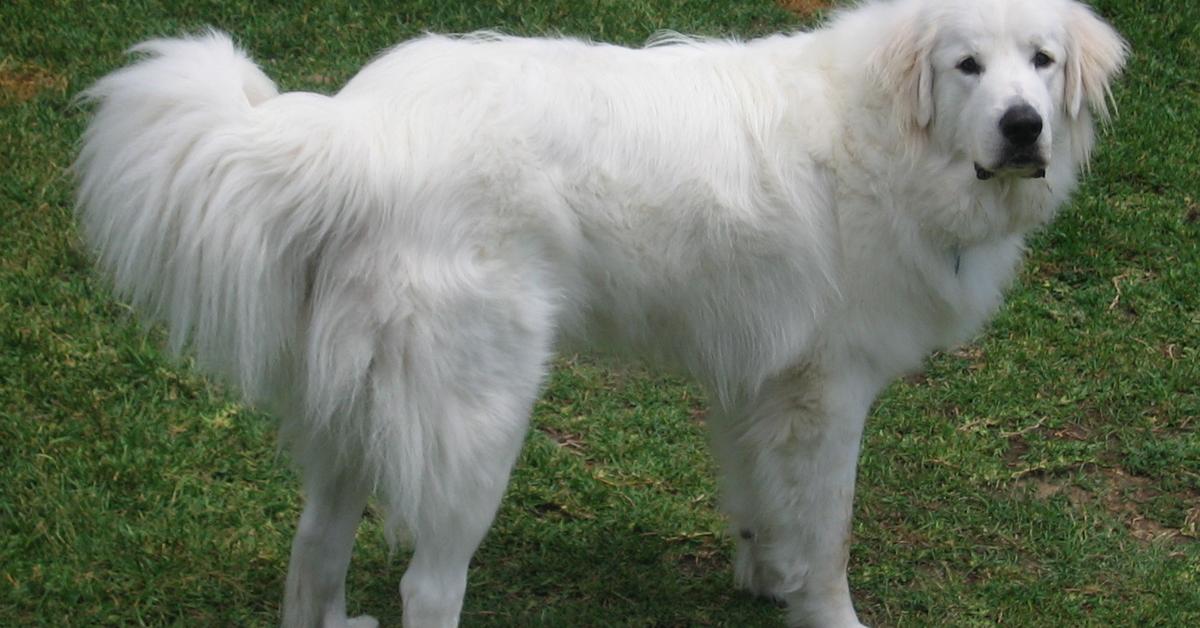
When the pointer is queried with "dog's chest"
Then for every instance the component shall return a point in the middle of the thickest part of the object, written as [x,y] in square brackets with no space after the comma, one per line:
[901,306]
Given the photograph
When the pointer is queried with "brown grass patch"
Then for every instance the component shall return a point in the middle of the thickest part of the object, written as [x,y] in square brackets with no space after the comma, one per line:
[805,8]
[20,82]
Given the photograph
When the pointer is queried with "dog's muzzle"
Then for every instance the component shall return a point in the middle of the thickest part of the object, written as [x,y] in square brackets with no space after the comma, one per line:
[1021,126]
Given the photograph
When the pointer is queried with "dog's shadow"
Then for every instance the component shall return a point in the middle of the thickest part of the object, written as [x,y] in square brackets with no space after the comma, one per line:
[541,566]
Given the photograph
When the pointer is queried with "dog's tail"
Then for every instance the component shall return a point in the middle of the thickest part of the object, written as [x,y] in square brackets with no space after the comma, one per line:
[199,189]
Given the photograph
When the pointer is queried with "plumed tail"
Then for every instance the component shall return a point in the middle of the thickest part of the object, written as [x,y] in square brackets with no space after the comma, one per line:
[199,189]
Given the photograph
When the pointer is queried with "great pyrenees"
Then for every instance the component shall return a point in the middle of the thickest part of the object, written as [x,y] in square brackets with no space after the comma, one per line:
[794,221]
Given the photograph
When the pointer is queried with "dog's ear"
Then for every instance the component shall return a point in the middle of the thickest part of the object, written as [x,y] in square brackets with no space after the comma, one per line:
[1095,54]
[904,69]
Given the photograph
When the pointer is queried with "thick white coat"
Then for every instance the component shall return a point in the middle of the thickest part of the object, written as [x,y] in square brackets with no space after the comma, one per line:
[793,220]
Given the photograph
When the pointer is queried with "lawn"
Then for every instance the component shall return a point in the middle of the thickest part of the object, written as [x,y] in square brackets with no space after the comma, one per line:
[1048,474]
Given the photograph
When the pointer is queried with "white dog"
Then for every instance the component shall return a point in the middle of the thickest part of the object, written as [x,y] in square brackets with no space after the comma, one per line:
[794,221]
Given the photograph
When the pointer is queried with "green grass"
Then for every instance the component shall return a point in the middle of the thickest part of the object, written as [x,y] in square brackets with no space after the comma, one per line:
[1048,474]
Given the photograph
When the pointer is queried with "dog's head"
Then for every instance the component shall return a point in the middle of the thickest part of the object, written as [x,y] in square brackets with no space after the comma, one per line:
[1001,84]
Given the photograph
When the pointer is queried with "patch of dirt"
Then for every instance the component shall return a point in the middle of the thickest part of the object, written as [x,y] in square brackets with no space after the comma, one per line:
[1122,495]
[1044,489]
[701,562]
[1017,448]
[20,82]
[805,8]
[1193,211]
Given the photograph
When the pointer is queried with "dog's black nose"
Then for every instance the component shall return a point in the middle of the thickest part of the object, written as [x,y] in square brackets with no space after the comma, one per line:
[1021,125]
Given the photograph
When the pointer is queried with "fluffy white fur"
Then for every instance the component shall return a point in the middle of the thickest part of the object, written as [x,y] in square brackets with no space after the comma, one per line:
[794,221]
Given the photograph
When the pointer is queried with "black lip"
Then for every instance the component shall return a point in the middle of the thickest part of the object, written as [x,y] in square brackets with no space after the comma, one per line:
[1030,168]
[1022,159]
[1035,168]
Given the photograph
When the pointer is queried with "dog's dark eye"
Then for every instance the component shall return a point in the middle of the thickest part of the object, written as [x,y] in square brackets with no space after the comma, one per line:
[969,66]
[1041,60]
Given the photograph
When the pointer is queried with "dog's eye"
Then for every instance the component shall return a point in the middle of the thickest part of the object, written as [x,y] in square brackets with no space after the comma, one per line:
[969,66]
[1041,60]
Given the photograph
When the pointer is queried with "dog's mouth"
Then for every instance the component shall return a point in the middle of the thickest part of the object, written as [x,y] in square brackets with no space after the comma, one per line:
[1023,166]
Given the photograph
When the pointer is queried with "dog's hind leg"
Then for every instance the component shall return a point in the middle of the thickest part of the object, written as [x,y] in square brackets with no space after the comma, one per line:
[470,456]
[452,525]
[452,393]
[316,583]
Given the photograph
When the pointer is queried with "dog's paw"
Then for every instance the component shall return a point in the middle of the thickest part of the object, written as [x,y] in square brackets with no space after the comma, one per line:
[362,621]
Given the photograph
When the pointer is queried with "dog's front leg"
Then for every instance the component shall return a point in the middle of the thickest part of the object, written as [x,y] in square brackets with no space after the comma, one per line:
[788,458]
